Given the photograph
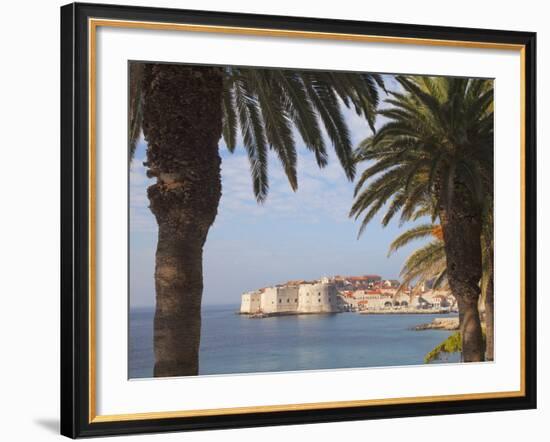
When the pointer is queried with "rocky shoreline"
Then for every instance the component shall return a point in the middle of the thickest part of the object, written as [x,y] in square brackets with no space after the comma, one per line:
[450,324]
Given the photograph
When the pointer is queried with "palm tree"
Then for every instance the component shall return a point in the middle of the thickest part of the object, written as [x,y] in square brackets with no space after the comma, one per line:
[428,263]
[183,112]
[487,287]
[437,146]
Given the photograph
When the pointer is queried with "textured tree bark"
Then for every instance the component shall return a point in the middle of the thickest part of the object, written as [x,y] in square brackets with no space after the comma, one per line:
[182,124]
[461,223]
[490,312]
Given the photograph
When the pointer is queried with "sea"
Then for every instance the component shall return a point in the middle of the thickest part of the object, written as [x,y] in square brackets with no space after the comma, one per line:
[232,343]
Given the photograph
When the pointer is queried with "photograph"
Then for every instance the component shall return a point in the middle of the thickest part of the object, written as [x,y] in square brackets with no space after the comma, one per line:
[273,220]
[286,220]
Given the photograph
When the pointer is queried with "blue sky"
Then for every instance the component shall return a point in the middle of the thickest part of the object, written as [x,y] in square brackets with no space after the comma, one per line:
[294,235]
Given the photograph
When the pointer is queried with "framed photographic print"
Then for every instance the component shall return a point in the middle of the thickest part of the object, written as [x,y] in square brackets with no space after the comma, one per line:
[279,220]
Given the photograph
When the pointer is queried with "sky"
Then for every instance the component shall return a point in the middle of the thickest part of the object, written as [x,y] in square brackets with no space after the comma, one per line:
[305,234]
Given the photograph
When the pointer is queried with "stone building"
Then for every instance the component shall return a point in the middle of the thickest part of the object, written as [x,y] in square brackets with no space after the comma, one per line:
[250,302]
[305,297]
[279,299]
[401,300]
[319,297]
[374,300]
[327,296]
[433,299]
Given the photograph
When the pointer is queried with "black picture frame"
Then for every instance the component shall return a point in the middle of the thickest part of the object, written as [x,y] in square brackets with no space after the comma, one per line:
[75,247]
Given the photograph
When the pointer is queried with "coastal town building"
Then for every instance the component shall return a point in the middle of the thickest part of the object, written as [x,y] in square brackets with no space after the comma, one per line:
[391,284]
[436,299]
[251,302]
[375,300]
[302,297]
[362,282]
[365,294]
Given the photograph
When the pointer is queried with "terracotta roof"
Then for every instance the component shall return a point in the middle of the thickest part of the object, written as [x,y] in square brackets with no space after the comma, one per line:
[362,278]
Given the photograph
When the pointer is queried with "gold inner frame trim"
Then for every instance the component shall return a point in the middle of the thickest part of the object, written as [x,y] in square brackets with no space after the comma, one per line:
[93,24]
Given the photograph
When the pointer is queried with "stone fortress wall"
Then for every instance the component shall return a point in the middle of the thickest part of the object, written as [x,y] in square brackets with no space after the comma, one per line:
[280,299]
[331,295]
[251,302]
[318,297]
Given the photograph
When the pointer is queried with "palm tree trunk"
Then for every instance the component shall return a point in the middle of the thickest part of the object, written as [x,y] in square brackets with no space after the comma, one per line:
[461,223]
[182,120]
[489,312]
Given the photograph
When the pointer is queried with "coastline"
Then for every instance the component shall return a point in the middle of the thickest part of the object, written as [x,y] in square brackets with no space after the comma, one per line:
[278,314]
[260,315]
[406,312]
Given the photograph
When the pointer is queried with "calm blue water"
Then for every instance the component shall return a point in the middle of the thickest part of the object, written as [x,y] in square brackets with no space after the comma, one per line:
[233,343]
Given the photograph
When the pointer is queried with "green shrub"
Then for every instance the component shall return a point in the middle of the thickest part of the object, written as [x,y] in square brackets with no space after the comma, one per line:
[452,344]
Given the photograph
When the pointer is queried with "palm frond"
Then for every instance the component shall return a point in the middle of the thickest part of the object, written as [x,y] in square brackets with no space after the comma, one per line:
[415,233]
[439,136]
[230,122]
[254,138]
[308,101]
